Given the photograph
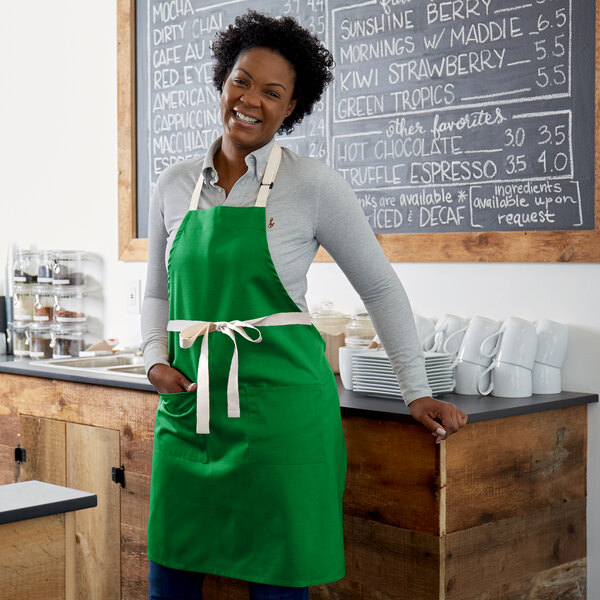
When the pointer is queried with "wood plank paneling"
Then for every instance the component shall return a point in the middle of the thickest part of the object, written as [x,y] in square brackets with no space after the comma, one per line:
[8,467]
[44,440]
[384,562]
[92,452]
[531,461]
[489,556]
[135,499]
[393,474]
[129,411]
[565,582]
[32,559]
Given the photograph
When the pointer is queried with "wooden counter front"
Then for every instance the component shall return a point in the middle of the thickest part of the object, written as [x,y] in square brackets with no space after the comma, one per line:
[495,512]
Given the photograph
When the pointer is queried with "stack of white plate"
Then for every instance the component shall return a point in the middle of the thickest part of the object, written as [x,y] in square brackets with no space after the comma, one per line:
[372,373]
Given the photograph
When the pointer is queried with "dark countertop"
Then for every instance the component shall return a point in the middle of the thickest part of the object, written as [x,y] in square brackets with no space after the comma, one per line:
[32,499]
[478,408]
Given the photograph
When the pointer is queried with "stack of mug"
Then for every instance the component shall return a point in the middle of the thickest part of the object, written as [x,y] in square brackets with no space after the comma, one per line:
[474,356]
[446,336]
[509,361]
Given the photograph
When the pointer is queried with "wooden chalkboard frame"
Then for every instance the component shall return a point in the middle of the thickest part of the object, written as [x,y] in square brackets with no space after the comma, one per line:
[525,246]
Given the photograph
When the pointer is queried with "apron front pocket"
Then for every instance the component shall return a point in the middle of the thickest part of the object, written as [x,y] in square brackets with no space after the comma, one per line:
[285,425]
[175,427]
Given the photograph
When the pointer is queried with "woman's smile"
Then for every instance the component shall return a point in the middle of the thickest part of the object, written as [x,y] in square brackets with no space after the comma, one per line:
[257,97]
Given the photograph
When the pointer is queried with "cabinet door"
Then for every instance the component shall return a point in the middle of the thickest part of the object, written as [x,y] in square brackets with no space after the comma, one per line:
[45,441]
[82,457]
[91,454]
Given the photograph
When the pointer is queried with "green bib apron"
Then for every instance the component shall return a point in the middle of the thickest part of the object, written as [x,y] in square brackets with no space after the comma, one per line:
[258,496]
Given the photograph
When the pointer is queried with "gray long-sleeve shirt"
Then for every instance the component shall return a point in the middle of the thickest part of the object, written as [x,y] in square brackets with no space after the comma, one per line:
[310,205]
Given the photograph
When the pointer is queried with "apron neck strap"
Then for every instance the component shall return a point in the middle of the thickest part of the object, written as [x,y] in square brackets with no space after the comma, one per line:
[269,177]
[265,185]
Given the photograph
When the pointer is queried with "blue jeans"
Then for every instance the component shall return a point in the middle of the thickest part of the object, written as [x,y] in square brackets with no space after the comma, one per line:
[172,584]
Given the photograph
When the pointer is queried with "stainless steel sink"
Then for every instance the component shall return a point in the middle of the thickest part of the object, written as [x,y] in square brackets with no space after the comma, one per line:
[128,365]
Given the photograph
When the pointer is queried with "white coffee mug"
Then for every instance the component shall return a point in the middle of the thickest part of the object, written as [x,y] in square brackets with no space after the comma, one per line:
[479,329]
[446,327]
[508,381]
[516,343]
[546,379]
[345,355]
[552,343]
[467,376]
[425,327]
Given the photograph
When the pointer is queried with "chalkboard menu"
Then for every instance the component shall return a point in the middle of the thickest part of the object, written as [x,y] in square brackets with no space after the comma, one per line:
[444,116]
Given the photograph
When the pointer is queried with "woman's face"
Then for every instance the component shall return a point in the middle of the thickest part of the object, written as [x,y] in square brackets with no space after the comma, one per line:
[257,97]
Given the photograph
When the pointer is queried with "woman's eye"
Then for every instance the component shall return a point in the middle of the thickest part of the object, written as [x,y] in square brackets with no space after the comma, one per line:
[274,94]
[239,82]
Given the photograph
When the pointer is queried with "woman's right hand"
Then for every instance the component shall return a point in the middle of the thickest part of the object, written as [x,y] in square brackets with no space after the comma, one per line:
[168,380]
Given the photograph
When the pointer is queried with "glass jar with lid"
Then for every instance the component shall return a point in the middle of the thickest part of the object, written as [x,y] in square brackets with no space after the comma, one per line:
[359,331]
[331,325]
[43,305]
[20,337]
[68,339]
[46,267]
[68,304]
[23,300]
[25,266]
[40,340]
[69,267]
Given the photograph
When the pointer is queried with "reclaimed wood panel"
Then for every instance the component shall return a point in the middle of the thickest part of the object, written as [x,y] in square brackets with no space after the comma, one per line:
[8,467]
[129,411]
[384,562]
[44,440]
[393,474]
[32,559]
[92,452]
[135,500]
[565,582]
[532,461]
[70,557]
[489,556]
[18,391]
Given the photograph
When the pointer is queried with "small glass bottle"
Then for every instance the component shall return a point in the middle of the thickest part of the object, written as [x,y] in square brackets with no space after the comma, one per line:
[25,267]
[43,306]
[40,340]
[359,331]
[68,339]
[68,305]
[20,338]
[46,267]
[69,268]
[23,300]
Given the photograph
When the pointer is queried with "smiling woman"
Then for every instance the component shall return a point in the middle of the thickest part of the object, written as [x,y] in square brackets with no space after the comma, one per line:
[249,459]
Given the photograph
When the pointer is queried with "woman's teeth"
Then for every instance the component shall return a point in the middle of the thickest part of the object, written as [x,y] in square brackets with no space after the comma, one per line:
[245,118]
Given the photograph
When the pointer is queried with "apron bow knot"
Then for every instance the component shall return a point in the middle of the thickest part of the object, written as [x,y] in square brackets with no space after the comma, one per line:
[190,331]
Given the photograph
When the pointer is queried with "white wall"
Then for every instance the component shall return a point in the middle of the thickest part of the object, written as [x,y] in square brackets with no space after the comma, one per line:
[58,162]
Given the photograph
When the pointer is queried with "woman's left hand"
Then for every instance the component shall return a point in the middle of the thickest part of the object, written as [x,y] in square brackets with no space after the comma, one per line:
[427,409]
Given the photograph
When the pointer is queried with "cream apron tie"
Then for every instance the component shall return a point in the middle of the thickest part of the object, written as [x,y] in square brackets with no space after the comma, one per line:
[190,331]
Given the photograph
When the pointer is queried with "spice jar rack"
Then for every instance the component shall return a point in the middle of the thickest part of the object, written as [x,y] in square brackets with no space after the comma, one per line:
[49,289]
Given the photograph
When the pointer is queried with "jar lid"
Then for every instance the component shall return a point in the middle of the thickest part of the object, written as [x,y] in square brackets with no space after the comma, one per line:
[26,253]
[327,311]
[19,325]
[23,289]
[42,290]
[66,291]
[70,254]
[361,317]
[41,326]
[69,328]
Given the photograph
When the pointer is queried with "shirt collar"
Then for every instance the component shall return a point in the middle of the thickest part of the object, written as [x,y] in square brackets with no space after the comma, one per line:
[256,161]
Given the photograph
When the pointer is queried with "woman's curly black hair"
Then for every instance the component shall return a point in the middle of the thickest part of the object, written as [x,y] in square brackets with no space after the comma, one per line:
[312,62]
